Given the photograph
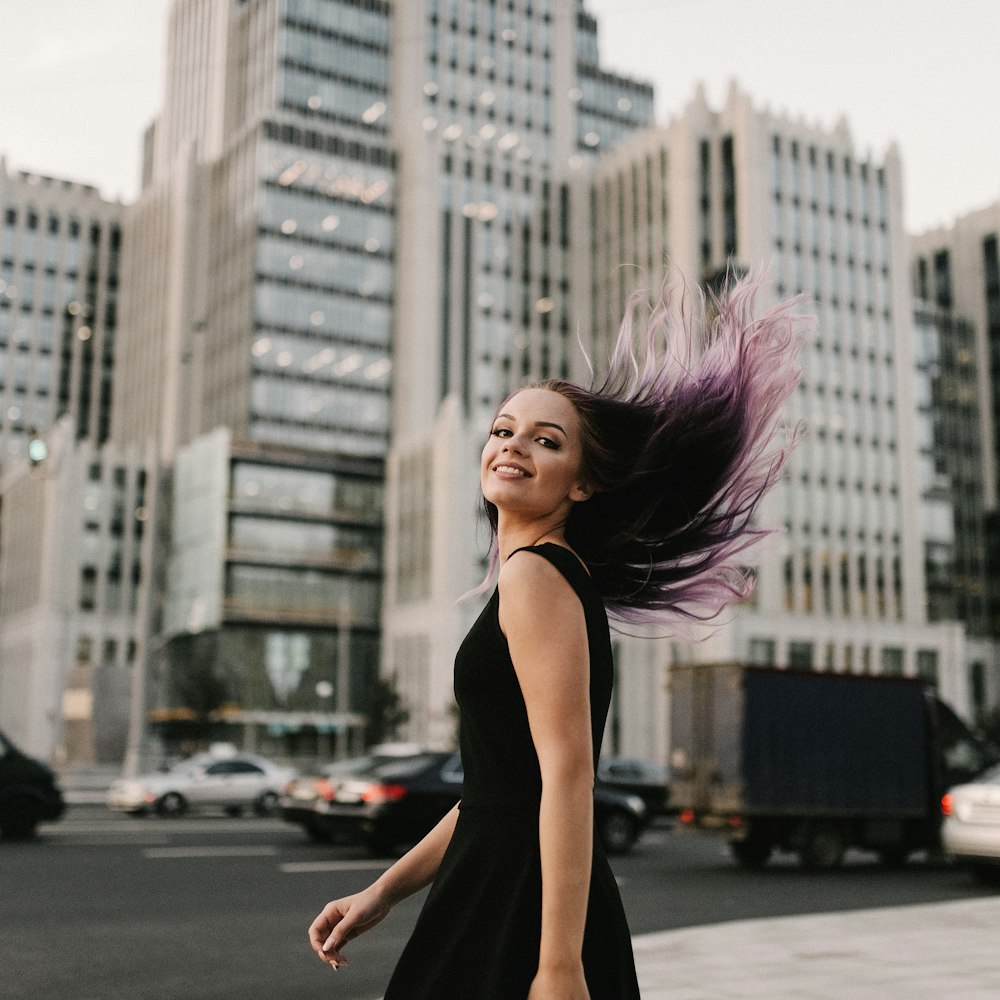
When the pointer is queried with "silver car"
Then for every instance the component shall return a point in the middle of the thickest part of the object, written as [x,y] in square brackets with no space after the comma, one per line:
[971,830]
[231,783]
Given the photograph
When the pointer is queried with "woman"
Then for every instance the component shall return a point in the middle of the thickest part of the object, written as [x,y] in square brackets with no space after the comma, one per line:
[632,499]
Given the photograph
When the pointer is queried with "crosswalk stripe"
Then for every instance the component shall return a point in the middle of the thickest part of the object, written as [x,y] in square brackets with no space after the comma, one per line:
[210,852]
[300,867]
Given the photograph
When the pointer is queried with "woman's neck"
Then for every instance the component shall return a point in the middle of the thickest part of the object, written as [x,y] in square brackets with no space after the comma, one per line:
[512,536]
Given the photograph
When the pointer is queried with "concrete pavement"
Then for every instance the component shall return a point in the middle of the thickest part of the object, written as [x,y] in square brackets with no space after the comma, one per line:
[941,951]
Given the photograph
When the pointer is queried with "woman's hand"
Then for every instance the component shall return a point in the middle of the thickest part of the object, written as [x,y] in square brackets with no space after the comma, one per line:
[563,983]
[343,920]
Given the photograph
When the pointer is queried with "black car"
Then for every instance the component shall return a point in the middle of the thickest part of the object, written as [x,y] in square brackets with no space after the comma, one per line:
[651,782]
[29,794]
[387,802]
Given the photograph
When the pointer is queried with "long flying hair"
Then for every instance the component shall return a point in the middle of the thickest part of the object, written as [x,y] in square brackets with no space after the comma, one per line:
[681,441]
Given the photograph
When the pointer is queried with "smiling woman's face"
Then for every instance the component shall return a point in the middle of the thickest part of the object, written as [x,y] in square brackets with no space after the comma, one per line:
[532,459]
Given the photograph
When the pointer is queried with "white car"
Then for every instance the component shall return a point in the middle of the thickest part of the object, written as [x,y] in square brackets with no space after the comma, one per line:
[971,830]
[231,783]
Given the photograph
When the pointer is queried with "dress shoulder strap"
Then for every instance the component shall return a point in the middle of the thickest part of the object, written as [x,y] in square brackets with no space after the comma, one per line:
[567,562]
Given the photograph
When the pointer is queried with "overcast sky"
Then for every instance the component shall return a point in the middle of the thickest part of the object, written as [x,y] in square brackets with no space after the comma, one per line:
[80,79]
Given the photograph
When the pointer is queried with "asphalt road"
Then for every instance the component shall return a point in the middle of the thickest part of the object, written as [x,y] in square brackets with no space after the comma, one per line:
[103,907]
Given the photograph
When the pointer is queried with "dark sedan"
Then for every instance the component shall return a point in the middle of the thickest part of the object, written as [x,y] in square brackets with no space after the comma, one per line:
[29,794]
[388,802]
[651,782]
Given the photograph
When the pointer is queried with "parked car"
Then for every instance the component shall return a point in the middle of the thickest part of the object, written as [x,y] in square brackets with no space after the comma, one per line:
[651,782]
[29,794]
[232,782]
[387,802]
[971,830]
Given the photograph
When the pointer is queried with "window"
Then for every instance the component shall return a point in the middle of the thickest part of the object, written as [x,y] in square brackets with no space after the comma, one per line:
[800,655]
[761,652]
[892,661]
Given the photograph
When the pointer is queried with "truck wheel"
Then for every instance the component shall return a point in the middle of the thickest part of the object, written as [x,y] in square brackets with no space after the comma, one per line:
[751,853]
[893,857]
[822,847]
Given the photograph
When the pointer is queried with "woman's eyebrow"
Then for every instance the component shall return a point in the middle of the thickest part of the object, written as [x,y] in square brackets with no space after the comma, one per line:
[538,423]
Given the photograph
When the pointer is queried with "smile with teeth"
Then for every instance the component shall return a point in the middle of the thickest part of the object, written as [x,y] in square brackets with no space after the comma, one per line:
[509,470]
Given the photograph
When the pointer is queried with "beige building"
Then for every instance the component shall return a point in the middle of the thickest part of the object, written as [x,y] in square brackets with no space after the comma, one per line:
[956,276]
[493,107]
[60,250]
[844,587]
[75,530]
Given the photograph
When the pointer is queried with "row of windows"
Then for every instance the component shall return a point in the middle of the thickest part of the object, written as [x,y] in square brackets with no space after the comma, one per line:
[844,183]
[369,22]
[305,491]
[340,99]
[801,654]
[271,589]
[357,548]
[286,259]
[301,215]
[844,586]
[340,316]
[26,371]
[322,405]
[364,443]
[830,234]
[320,359]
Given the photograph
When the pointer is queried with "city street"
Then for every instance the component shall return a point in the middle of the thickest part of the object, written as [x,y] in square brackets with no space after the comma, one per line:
[102,906]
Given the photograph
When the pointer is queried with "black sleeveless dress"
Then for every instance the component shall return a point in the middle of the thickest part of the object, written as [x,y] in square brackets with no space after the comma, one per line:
[478,934]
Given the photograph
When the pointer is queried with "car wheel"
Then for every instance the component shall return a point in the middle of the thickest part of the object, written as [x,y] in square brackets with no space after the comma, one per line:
[18,819]
[317,833]
[171,804]
[266,804]
[823,846]
[618,831]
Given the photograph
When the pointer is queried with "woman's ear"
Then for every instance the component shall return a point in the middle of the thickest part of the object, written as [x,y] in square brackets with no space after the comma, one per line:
[581,492]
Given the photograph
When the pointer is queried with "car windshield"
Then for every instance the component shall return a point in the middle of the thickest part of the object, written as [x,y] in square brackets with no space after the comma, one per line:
[402,768]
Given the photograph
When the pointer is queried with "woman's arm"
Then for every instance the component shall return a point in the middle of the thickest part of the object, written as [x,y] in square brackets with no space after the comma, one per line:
[547,634]
[342,920]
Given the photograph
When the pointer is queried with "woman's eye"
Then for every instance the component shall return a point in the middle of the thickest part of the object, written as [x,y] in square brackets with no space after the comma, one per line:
[548,442]
[500,431]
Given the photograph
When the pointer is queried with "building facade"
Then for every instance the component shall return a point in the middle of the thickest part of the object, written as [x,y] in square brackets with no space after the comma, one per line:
[493,107]
[75,533]
[844,586]
[258,299]
[956,278]
[60,252]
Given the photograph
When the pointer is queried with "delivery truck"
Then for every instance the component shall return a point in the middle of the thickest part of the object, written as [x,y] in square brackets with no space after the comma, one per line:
[814,762]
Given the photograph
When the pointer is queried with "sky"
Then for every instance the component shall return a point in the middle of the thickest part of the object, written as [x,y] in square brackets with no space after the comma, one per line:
[81,79]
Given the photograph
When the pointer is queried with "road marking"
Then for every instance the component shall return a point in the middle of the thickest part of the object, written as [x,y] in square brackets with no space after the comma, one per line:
[210,852]
[299,867]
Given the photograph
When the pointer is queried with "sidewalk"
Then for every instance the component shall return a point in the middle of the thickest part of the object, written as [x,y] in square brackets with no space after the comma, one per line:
[941,951]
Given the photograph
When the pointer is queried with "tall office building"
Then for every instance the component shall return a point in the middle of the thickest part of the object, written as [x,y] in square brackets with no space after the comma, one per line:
[60,248]
[844,587]
[67,535]
[258,298]
[494,106]
[956,280]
